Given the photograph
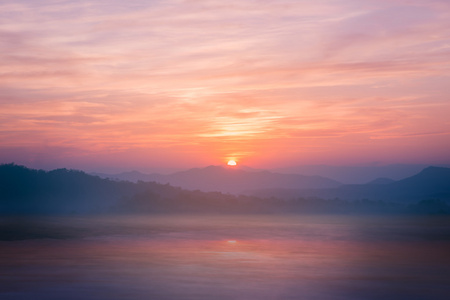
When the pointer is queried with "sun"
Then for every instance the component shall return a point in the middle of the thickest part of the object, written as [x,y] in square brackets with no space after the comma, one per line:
[231,163]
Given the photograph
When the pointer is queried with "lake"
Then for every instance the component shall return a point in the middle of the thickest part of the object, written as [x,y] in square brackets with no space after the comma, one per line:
[225,257]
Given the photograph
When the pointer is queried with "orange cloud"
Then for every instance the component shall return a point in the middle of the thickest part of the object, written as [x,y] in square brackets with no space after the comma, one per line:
[196,81]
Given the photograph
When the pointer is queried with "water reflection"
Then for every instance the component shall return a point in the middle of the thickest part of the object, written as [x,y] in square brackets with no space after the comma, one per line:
[241,257]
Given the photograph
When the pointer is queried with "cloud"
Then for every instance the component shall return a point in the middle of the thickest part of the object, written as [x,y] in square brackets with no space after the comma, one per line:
[217,77]
[411,135]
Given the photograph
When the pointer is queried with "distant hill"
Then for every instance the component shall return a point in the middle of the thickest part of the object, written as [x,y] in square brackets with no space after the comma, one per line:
[62,191]
[233,180]
[358,174]
[132,176]
[24,190]
[381,180]
[430,183]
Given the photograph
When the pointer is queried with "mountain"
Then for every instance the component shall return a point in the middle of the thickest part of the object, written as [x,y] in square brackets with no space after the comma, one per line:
[62,191]
[381,180]
[231,179]
[428,178]
[24,190]
[132,176]
[430,183]
[357,174]
[135,176]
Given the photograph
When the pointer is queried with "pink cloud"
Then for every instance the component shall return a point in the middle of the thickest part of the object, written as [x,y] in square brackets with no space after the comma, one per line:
[208,79]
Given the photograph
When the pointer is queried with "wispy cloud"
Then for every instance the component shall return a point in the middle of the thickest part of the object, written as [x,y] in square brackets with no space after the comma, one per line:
[251,79]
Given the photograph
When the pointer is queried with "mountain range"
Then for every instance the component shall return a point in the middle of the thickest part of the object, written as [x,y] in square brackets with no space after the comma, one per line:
[28,191]
[234,180]
[358,174]
[430,183]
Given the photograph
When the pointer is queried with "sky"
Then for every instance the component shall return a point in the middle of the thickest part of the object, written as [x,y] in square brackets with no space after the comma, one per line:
[114,85]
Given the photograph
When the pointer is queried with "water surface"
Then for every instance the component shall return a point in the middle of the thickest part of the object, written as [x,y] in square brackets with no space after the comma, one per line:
[225,257]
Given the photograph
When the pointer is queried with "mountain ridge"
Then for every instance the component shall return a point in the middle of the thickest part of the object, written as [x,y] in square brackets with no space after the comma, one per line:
[62,191]
[431,182]
[231,179]
[358,174]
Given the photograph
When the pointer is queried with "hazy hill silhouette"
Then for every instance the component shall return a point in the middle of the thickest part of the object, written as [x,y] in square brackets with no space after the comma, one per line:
[62,191]
[132,176]
[230,179]
[430,183]
[26,190]
[358,174]
[381,180]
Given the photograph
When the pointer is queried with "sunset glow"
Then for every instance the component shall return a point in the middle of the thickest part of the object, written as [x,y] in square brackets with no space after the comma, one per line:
[231,163]
[157,85]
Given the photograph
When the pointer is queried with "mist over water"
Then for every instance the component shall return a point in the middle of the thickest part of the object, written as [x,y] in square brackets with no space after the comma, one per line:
[226,257]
